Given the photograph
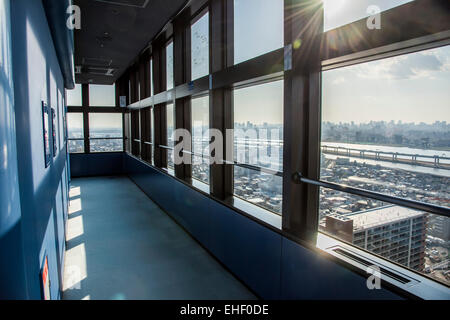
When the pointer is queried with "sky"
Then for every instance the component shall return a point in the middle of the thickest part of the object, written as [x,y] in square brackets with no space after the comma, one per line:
[74,96]
[260,103]
[99,95]
[411,88]
[341,12]
[102,96]
[254,35]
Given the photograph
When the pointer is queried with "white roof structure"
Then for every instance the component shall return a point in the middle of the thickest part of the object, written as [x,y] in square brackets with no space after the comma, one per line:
[382,216]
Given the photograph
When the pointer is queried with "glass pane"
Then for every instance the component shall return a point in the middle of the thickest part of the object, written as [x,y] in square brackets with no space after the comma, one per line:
[76,146]
[258,125]
[151,76]
[170,160]
[200,47]
[377,133]
[170,132]
[102,96]
[75,127]
[75,131]
[414,239]
[258,28]
[258,141]
[152,133]
[341,12]
[261,189]
[105,125]
[200,138]
[386,128]
[129,91]
[74,96]
[127,122]
[106,145]
[169,65]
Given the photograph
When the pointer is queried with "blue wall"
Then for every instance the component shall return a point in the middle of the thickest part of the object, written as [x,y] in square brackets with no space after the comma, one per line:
[33,227]
[273,266]
[96,164]
[12,268]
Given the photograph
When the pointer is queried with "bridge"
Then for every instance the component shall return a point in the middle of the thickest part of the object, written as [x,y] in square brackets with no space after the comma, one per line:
[435,161]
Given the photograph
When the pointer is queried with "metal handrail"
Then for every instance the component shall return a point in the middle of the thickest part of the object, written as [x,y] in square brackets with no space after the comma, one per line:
[259,169]
[165,147]
[106,138]
[239,164]
[412,204]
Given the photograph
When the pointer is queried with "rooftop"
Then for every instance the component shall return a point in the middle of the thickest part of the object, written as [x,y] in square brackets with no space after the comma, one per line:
[382,216]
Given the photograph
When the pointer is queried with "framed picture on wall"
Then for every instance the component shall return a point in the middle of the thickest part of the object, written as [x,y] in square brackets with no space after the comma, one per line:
[46,133]
[55,144]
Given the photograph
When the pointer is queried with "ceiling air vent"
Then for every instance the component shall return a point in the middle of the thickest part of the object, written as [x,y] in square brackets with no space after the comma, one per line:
[99,71]
[129,3]
[98,62]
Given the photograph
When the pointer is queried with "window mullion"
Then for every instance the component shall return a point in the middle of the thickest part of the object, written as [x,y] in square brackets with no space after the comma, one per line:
[301,114]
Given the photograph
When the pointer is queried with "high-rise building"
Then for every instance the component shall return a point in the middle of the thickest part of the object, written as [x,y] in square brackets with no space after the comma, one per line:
[439,227]
[393,232]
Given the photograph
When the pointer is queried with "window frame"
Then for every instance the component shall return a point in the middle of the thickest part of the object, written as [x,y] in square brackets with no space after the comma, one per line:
[278,173]
[86,109]
[199,183]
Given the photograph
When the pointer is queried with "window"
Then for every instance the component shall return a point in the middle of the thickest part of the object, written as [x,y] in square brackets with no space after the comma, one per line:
[75,129]
[74,96]
[136,132]
[258,28]
[105,132]
[258,144]
[152,133]
[169,65]
[200,47]
[200,138]
[170,135]
[340,12]
[102,96]
[129,92]
[386,128]
[151,77]
[127,130]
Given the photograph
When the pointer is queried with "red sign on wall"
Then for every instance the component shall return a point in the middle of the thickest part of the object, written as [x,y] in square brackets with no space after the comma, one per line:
[45,280]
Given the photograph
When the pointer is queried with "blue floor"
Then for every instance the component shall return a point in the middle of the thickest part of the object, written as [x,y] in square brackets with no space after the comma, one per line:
[122,246]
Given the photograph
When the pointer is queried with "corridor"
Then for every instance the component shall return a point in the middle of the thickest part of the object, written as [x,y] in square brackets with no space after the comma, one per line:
[121,245]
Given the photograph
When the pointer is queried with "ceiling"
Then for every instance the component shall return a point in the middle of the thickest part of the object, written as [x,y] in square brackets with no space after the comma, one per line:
[114,32]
